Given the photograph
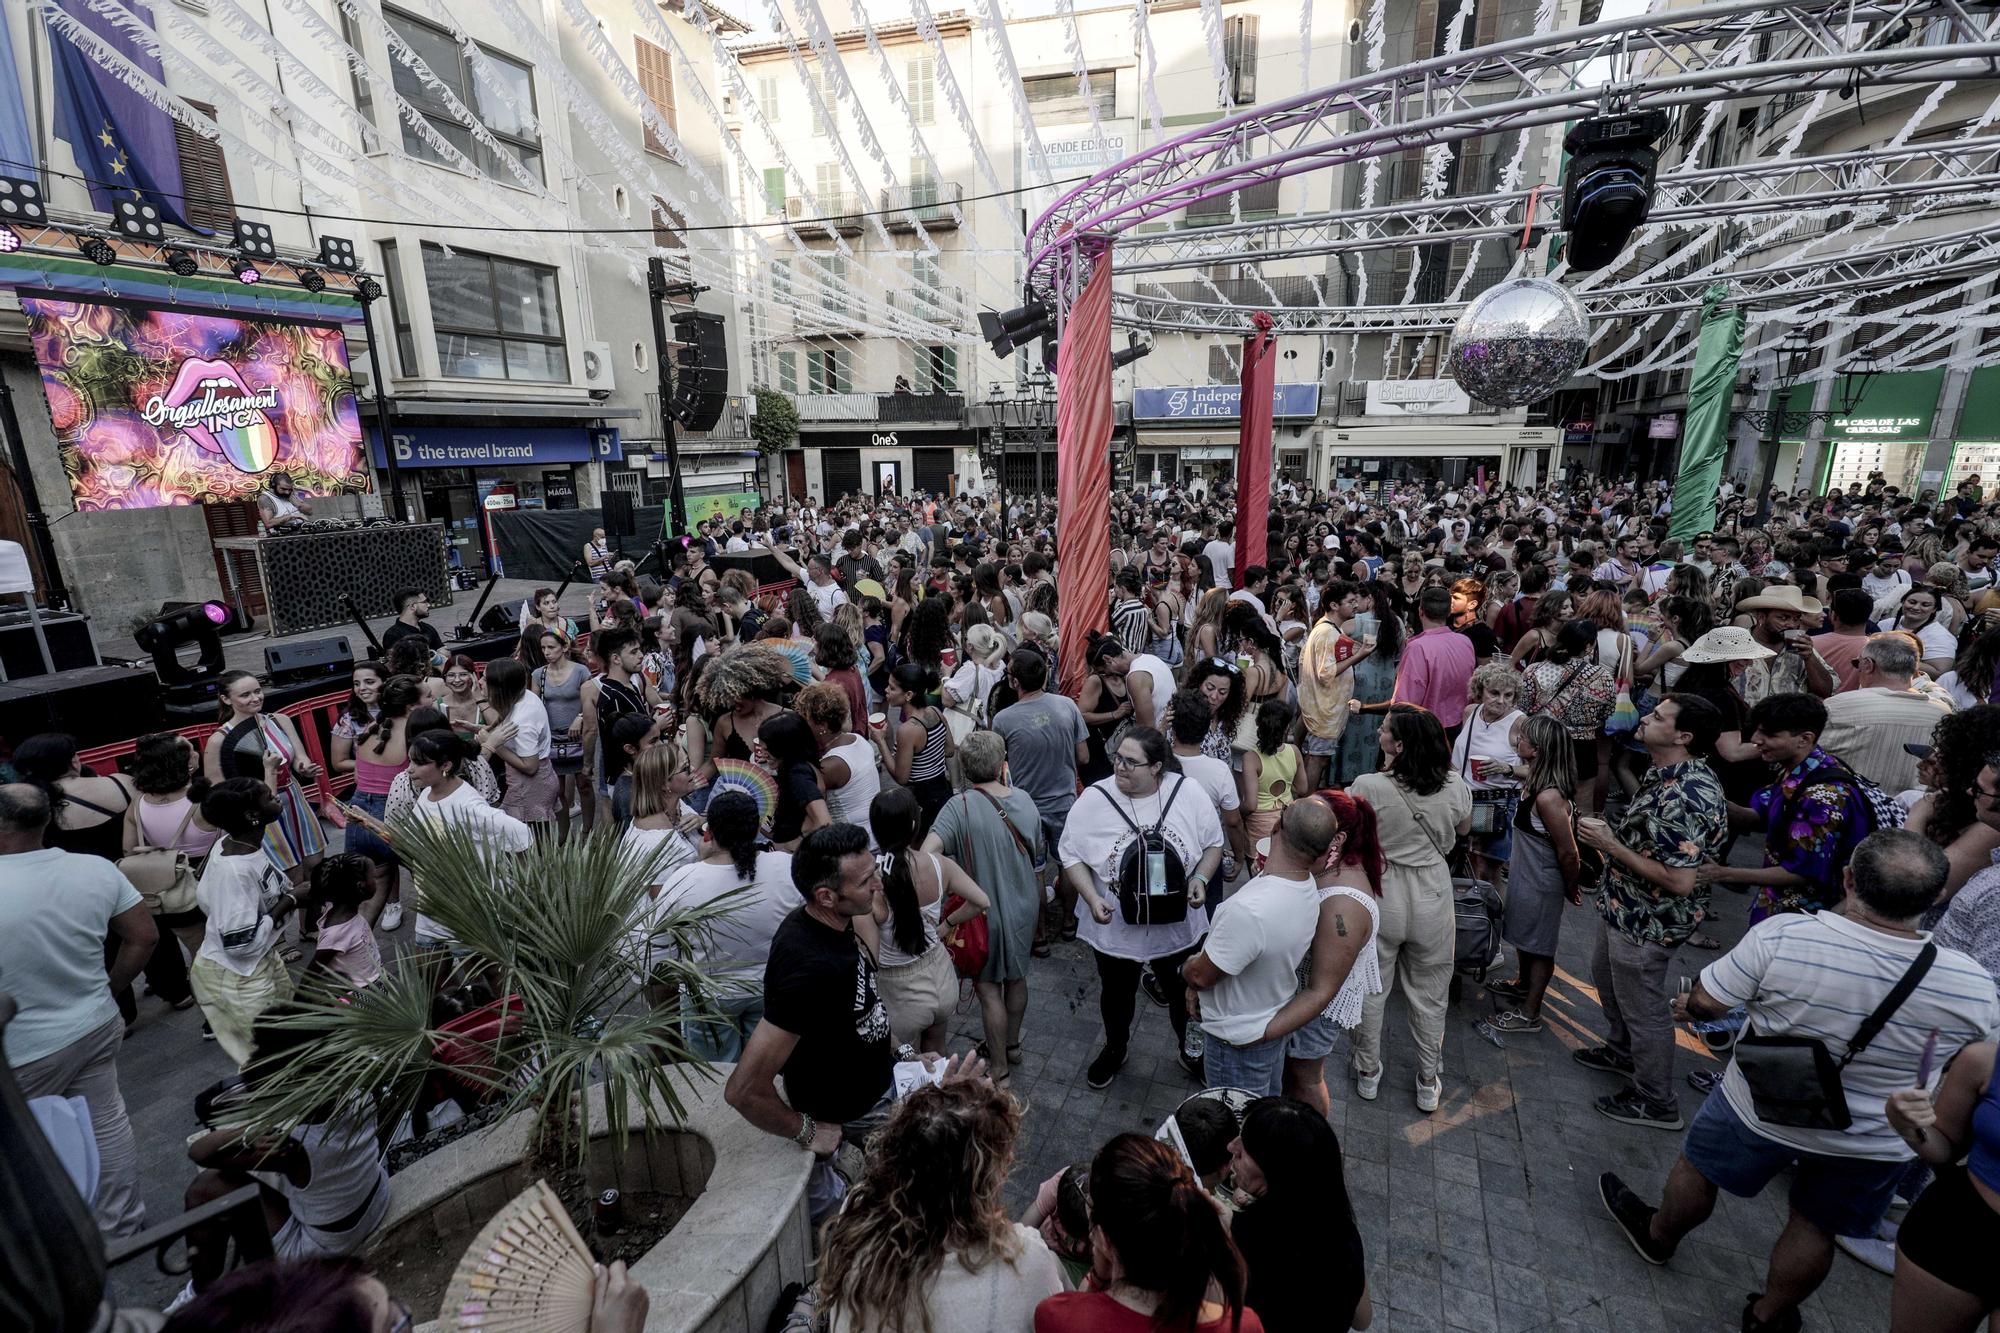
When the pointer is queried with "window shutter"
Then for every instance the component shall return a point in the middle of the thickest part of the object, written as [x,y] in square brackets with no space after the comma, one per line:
[667,225]
[774,189]
[1240,56]
[947,362]
[788,372]
[204,176]
[1219,369]
[656,80]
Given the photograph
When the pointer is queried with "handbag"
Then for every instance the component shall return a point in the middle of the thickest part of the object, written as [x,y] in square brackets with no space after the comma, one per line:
[1624,717]
[1795,1081]
[164,876]
[970,941]
[1489,804]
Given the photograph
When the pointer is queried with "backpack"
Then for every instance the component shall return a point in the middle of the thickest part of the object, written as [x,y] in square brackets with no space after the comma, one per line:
[1144,903]
[1475,911]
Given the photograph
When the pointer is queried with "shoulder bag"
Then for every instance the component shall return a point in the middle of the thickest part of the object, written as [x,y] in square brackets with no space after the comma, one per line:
[1795,1081]
[164,876]
[970,941]
[1430,835]
[1624,717]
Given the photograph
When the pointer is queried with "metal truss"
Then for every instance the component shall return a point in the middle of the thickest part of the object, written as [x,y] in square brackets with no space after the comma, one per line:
[1739,50]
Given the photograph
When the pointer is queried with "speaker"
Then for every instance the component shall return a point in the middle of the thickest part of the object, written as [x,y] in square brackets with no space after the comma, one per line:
[503,616]
[311,659]
[70,643]
[95,704]
[617,507]
[701,378]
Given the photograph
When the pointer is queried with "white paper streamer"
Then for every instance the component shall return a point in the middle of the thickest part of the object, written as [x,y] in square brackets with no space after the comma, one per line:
[1149,70]
[1211,31]
[995,26]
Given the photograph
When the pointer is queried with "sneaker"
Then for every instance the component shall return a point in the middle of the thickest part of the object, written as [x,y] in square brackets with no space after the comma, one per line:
[1514,1021]
[1628,1107]
[392,916]
[1154,990]
[1368,1086]
[1196,1070]
[1603,1058]
[1508,990]
[1428,1095]
[1634,1217]
[1704,1081]
[1788,1322]
[1105,1067]
[183,1297]
[207,1032]
[1878,1254]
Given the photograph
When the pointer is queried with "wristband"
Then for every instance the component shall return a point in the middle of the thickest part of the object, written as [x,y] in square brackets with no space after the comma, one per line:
[907,1052]
[807,1128]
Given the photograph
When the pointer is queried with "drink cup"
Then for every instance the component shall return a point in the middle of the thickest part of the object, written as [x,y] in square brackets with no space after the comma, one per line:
[878,720]
[948,657]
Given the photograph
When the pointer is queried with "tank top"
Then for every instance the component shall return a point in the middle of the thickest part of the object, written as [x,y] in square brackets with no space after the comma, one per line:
[564,701]
[106,838]
[1984,1164]
[373,778]
[1274,782]
[347,1172]
[158,823]
[887,954]
[1364,978]
[930,761]
[849,804]
[615,699]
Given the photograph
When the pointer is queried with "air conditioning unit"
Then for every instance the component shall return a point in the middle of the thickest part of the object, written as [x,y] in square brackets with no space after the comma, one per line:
[597,372]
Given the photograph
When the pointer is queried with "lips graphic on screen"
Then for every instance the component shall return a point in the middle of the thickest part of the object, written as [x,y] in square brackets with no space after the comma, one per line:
[211,405]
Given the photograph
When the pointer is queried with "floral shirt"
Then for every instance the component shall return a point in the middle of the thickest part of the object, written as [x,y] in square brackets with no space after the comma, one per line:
[1782,673]
[1971,924]
[1814,816]
[1679,818]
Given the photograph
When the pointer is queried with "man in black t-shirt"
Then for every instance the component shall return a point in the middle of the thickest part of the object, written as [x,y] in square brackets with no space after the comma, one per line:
[824,1029]
[413,607]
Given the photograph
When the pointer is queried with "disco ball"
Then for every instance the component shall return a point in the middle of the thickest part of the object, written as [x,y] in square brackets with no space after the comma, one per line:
[1518,342]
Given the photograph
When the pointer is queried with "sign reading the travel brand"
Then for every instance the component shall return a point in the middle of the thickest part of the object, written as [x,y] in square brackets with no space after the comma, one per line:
[495,446]
[1415,398]
[155,407]
[1199,402]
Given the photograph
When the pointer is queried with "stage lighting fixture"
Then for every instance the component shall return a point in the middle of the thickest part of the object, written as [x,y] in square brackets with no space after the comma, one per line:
[254,239]
[138,219]
[1608,184]
[21,200]
[245,271]
[337,254]
[1134,351]
[1005,332]
[96,249]
[10,240]
[367,288]
[167,633]
[182,262]
[312,279]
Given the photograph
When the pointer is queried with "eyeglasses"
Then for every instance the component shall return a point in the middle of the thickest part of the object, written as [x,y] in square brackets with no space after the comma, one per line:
[1127,761]
[1978,790]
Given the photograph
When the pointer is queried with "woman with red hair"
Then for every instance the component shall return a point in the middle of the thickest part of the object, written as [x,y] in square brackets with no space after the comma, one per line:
[1340,969]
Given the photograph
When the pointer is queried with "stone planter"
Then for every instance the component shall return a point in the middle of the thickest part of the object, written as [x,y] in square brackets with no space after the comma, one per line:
[719,1271]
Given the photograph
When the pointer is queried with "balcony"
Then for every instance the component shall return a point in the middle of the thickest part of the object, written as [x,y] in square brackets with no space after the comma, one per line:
[937,304]
[914,408]
[843,211]
[836,406]
[933,204]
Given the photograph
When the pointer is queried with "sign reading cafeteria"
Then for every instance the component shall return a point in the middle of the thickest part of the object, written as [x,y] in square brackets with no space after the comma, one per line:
[1190,402]
[495,446]
[155,407]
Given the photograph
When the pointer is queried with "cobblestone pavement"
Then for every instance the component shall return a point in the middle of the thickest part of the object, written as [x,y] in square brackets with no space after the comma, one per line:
[1482,1217]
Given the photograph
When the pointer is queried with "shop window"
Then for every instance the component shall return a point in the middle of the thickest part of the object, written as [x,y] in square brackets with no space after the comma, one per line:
[204,176]
[506,113]
[496,318]
[840,471]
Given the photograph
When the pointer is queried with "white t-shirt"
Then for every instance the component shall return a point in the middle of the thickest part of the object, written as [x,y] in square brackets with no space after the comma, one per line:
[1163,684]
[1936,639]
[531,727]
[1480,739]
[1880,588]
[1222,558]
[1820,975]
[1257,939]
[499,831]
[1215,778]
[1096,836]
[741,943]
[826,596]
[236,892]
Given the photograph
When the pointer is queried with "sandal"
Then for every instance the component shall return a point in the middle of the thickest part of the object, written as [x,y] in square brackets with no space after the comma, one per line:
[1708,942]
[290,954]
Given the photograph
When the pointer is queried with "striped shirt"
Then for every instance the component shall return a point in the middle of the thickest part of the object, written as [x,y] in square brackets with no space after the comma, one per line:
[1821,975]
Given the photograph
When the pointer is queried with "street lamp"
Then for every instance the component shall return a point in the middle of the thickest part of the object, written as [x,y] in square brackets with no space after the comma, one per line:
[1793,359]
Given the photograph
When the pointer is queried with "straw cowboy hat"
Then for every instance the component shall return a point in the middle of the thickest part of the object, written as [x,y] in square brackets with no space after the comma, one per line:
[1781,597]
[1728,644]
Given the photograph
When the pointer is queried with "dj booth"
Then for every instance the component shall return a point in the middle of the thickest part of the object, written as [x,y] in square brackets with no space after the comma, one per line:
[320,577]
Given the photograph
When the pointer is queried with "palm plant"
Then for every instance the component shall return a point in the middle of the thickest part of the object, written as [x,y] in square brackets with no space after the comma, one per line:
[567,928]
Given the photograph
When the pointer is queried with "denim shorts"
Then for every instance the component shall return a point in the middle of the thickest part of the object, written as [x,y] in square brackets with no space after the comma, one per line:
[1315,1041]
[1258,1067]
[362,840]
[1846,1196]
[1322,745]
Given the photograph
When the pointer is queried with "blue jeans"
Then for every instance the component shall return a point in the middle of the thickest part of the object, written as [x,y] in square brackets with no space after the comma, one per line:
[1258,1067]
[719,1037]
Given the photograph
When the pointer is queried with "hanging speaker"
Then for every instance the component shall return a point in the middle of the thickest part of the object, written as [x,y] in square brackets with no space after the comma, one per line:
[701,373]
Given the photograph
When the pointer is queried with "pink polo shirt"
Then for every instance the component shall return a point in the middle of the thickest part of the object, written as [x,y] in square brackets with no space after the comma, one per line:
[1435,673]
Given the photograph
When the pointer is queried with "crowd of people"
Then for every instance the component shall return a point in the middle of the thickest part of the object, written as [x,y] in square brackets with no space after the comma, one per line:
[1281,790]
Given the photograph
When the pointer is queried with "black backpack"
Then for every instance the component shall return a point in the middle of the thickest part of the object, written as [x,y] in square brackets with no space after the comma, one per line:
[1168,905]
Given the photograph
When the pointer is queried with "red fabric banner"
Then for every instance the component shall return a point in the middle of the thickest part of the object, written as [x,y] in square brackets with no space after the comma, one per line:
[1253,445]
[1083,473]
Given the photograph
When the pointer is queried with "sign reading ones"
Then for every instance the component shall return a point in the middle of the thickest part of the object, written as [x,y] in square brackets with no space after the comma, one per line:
[1197,402]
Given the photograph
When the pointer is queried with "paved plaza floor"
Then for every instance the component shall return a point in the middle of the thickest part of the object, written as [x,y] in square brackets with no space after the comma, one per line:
[1482,1217]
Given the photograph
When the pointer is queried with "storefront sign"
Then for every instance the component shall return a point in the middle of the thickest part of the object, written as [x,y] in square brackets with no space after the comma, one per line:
[156,407]
[1894,407]
[1666,426]
[1416,398]
[496,446]
[958,437]
[1579,432]
[1191,402]
[558,490]
[1089,151]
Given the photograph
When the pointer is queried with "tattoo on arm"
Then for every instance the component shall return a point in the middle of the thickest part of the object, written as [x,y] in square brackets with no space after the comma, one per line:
[1340,925]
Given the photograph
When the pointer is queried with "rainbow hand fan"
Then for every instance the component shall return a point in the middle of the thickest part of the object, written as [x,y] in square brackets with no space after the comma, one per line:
[528,1269]
[744,776]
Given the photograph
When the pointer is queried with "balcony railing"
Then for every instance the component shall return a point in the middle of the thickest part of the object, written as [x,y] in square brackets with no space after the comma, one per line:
[934,204]
[912,408]
[844,211]
[836,406]
[933,303]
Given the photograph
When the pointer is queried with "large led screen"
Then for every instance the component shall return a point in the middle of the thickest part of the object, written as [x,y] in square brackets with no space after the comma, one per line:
[159,406]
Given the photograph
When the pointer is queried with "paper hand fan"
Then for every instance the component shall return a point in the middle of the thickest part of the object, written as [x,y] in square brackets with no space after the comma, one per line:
[744,776]
[528,1269]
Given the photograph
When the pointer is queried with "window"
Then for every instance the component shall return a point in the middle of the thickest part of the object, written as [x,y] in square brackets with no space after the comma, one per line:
[826,370]
[1239,55]
[781,281]
[496,319]
[923,186]
[767,95]
[1221,366]
[937,370]
[364,92]
[826,187]
[1055,97]
[667,226]
[826,115]
[204,177]
[513,130]
[1415,357]
[774,189]
[788,372]
[832,277]
[926,274]
[399,311]
[656,80]
[920,87]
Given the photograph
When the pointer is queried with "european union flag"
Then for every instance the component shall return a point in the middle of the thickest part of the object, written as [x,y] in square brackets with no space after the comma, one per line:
[124,143]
